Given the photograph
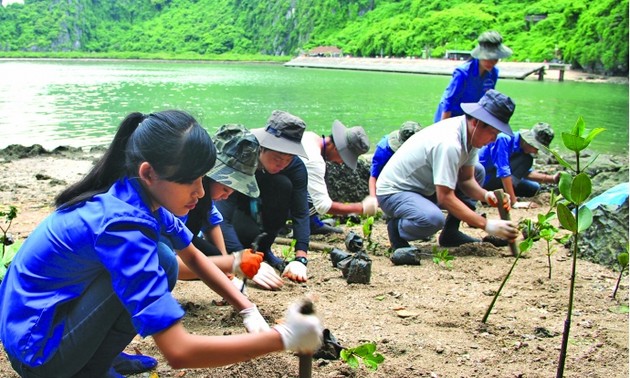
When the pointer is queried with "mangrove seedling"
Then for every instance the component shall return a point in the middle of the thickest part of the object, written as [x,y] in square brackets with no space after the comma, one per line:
[288,251]
[575,187]
[542,229]
[8,247]
[442,257]
[622,259]
[366,353]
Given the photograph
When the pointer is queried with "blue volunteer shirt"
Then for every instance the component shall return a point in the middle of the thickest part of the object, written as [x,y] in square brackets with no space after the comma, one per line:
[114,233]
[465,86]
[382,154]
[497,154]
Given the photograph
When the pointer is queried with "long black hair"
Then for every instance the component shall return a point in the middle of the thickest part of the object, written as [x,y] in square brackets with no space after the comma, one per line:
[172,141]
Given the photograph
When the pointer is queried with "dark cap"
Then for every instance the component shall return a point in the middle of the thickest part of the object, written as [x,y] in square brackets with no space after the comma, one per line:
[397,137]
[539,137]
[237,159]
[283,133]
[350,142]
[490,47]
[494,108]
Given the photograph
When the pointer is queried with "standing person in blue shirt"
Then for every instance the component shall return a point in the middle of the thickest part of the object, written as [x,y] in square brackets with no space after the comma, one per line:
[94,273]
[385,149]
[474,78]
[508,162]
[282,180]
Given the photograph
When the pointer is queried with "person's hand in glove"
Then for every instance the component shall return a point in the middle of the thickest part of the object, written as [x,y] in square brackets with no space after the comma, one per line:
[301,333]
[267,277]
[503,229]
[253,321]
[370,205]
[296,270]
[246,263]
[491,199]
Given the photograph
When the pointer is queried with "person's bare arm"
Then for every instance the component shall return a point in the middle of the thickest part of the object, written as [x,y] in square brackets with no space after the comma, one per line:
[211,270]
[508,186]
[215,236]
[184,350]
[372,186]
[543,178]
[340,208]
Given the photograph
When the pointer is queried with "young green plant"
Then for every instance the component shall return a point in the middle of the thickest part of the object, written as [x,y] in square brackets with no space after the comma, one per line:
[9,247]
[441,256]
[366,353]
[622,259]
[543,229]
[575,187]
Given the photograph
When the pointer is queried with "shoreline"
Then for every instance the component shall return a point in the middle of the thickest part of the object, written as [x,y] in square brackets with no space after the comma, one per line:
[407,65]
[507,70]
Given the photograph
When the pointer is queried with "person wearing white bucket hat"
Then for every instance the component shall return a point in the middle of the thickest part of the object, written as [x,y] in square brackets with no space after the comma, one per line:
[475,77]
[437,168]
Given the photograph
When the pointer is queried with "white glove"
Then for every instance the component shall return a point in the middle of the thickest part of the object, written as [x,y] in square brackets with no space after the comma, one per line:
[370,204]
[295,271]
[300,333]
[491,199]
[502,228]
[253,321]
[267,277]
[239,285]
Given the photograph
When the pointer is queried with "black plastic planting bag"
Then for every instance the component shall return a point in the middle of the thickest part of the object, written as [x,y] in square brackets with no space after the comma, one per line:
[406,256]
[359,268]
[337,255]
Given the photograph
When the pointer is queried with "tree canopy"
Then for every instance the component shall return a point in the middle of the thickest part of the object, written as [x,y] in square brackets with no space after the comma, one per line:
[588,34]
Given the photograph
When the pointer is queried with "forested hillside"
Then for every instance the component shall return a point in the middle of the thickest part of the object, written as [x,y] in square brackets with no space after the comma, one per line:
[592,34]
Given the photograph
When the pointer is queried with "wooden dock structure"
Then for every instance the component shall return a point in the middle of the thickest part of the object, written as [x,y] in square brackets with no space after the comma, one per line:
[509,70]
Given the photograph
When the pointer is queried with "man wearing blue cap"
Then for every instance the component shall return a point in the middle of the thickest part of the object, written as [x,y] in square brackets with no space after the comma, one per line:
[435,169]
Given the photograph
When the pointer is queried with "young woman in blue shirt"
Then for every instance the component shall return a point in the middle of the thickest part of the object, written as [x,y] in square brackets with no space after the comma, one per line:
[93,274]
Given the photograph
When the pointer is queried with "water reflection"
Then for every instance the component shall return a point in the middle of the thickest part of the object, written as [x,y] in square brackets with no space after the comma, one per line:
[80,103]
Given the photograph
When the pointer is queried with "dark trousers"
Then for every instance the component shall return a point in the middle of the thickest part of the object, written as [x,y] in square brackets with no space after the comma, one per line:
[241,226]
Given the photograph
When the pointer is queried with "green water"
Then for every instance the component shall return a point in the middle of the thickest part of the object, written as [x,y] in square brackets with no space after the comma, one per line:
[80,103]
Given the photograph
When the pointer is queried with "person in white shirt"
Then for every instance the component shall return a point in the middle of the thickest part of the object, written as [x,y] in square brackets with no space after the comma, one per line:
[436,168]
[342,146]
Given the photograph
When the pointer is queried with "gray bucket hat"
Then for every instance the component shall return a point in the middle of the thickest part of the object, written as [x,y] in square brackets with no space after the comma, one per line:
[540,136]
[351,143]
[237,159]
[490,46]
[494,108]
[283,133]
[397,137]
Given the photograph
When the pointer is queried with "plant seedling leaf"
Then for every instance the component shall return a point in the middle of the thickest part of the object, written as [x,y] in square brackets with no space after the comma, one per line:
[579,127]
[365,349]
[573,142]
[580,188]
[3,271]
[585,218]
[566,218]
[565,185]
[622,258]
[593,134]
[353,361]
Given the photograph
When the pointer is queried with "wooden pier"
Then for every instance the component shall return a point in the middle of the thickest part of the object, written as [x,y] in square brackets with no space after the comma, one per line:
[509,70]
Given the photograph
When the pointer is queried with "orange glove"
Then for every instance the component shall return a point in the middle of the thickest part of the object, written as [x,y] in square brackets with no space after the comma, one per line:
[246,263]
[491,199]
